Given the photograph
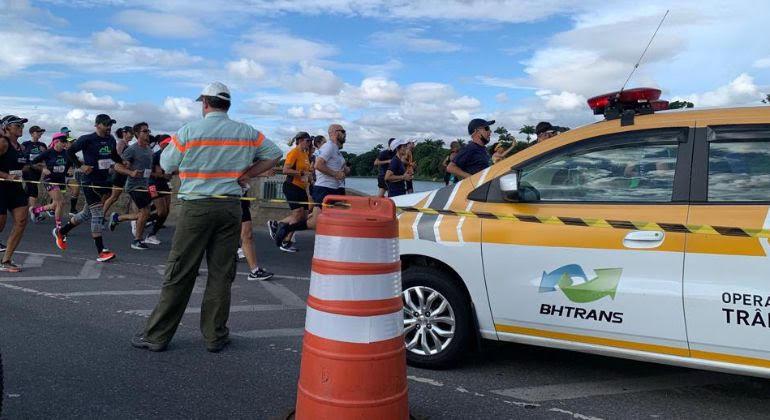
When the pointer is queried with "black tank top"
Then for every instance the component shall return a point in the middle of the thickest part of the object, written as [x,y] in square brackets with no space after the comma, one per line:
[13,159]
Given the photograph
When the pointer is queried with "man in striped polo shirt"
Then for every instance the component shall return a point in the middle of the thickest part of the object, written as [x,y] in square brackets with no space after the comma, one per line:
[213,156]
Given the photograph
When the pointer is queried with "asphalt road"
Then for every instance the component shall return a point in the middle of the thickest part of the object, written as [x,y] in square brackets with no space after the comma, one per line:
[66,321]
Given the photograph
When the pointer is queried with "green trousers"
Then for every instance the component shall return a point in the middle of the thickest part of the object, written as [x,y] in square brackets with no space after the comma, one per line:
[211,227]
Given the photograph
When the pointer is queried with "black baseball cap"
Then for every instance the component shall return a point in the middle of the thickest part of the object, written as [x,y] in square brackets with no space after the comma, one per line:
[36,129]
[104,119]
[477,123]
[542,127]
[12,119]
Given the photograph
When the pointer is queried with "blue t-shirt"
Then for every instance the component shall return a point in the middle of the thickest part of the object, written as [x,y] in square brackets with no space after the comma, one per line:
[396,188]
[384,155]
[472,158]
[56,162]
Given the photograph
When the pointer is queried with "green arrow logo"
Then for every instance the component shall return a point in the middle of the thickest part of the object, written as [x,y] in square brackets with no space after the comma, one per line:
[604,284]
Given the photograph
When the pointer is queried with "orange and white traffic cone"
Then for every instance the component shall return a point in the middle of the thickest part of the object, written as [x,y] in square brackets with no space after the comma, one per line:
[353,355]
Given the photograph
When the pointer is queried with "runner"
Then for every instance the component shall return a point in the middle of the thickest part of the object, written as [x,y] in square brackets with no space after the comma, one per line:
[159,191]
[247,245]
[411,165]
[98,156]
[396,176]
[298,172]
[124,134]
[381,163]
[32,149]
[138,167]
[13,198]
[53,164]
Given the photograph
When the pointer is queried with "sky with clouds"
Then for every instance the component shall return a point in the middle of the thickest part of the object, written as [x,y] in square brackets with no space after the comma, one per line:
[398,68]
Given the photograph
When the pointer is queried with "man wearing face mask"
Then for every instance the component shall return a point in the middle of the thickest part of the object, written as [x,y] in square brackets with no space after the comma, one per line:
[473,157]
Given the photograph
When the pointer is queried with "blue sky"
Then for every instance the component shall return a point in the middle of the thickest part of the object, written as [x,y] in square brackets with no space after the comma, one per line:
[382,68]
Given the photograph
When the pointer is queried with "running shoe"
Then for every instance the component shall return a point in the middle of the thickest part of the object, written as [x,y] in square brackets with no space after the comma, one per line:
[280,233]
[260,274]
[288,247]
[10,267]
[133,228]
[32,215]
[2,247]
[137,244]
[152,240]
[241,255]
[61,240]
[114,220]
[272,228]
[51,213]
[105,255]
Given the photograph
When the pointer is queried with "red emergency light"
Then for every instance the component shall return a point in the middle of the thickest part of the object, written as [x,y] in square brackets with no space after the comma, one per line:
[627,103]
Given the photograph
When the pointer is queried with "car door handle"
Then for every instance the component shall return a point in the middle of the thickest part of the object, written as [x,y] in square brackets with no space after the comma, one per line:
[644,239]
[645,235]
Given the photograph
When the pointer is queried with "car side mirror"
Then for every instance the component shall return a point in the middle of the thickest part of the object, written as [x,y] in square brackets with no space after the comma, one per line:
[509,185]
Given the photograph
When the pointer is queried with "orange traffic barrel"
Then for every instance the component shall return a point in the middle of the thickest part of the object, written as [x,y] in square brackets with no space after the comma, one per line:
[353,355]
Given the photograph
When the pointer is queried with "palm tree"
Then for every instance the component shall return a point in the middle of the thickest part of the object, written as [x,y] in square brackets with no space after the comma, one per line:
[528,130]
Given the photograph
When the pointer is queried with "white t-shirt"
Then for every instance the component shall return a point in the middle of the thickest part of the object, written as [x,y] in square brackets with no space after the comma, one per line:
[331,154]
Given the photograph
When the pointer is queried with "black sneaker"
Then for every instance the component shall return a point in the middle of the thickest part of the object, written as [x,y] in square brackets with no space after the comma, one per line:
[288,247]
[139,342]
[280,233]
[2,247]
[137,244]
[260,274]
[114,220]
[272,228]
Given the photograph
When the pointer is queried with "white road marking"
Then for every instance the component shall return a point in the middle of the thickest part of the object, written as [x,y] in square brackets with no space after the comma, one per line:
[91,270]
[613,387]
[282,293]
[118,293]
[277,332]
[234,308]
[574,415]
[33,261]
[161,269]
[428,381]
[39,253]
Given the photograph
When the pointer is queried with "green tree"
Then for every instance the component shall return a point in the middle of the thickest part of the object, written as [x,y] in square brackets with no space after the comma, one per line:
[767,99]
[680,105]
[529,130]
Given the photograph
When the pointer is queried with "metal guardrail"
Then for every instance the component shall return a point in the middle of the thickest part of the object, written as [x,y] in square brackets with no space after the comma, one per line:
[271,188]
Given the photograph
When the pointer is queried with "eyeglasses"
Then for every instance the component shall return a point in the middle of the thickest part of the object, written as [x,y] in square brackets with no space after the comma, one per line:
[145,131]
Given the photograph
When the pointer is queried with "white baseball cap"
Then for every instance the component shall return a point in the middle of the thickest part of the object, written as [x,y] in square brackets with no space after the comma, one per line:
[399,142]
[217,90]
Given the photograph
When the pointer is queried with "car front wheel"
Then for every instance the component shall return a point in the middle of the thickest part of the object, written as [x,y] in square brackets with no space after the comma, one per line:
[437,318]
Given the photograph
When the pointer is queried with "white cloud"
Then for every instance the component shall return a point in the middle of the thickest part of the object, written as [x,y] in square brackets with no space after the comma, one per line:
[412,39]
[246,69]
[270,46]
[296,112]
[741,91]
[313,79]
[102,85]
[111,38]
[181,108]
[324,112]
[762,63]
[88,100]
[563,101]
[502,82]
[166,25]
[371,89]
[501,98]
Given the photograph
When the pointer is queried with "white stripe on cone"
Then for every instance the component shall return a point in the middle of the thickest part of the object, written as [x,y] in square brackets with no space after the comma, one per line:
[354,329]
[355,287]
[363,250]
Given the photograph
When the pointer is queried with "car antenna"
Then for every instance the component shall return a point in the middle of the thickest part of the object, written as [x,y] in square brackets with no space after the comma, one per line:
[636,66]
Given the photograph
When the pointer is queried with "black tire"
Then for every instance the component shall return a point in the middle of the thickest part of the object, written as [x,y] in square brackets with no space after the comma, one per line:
[461,306]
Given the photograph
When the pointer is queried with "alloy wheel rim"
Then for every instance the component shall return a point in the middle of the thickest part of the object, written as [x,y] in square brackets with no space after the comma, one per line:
[429,321]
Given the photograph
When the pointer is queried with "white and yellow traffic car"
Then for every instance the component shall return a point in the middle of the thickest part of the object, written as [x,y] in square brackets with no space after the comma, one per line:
[643,236]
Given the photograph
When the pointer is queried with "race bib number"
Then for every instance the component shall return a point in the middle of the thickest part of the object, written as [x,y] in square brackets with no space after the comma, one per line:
[147,173]
[104,164]
[59,169]
[21,159]
[33,157]
[14,173]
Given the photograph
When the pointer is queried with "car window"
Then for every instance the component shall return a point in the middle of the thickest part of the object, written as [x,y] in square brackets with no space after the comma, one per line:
[636,172]
[739,171]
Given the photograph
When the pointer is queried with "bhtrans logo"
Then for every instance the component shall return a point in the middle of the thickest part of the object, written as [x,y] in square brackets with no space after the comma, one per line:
[573,282]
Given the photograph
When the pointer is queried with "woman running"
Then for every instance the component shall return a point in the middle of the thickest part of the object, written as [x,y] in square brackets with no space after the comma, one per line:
[54,165]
